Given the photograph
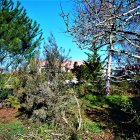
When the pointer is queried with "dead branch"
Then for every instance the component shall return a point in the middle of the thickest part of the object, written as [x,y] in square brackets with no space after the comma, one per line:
[79,113]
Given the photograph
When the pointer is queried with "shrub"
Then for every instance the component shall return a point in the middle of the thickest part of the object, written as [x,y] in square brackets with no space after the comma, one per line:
[12,101]
[51,102]
[81,89]
[4,93]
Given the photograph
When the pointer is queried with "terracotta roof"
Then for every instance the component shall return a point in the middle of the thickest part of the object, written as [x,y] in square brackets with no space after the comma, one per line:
[68,64]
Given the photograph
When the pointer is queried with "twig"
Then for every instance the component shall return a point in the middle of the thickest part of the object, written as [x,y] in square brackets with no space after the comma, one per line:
[8,79]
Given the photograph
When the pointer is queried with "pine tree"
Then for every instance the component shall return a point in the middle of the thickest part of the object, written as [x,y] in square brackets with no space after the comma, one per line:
[19,35]
[93,65]
[91,68]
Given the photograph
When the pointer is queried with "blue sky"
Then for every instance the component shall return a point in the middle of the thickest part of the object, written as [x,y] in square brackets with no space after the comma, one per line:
[47,14]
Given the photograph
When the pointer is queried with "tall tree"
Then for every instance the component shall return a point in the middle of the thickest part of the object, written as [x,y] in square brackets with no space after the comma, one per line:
[107,25]
[19,35]
[55,56]
[90,71]
[94,66]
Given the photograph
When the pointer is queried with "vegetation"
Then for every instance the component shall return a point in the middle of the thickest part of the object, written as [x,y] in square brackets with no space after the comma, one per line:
[37,102]
[11,131]
[107,26]
[90,74]
[14,48]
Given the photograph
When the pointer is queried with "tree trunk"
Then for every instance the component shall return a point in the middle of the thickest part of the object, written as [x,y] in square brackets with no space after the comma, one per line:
[108,70]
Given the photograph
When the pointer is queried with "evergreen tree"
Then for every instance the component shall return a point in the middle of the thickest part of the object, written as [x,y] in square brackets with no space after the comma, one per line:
[93,65]
[19,35]
[91,68]
[54,55]
[81,72]
[90,74]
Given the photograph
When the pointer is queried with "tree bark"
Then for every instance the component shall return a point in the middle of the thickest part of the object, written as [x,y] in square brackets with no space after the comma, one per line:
[108,70]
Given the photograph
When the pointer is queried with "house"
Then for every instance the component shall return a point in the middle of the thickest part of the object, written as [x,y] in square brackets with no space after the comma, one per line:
[66,66]
[126,70]
[69,64]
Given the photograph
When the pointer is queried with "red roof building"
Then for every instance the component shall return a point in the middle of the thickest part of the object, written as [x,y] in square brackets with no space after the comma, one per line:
[66,65]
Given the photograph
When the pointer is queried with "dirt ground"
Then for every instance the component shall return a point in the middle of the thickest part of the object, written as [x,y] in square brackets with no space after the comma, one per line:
[7,115]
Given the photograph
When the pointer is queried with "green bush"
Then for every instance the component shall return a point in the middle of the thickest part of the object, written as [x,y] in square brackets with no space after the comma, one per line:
[91,98]
[68,75]
[81,90]
[117,100]
[12,101]
[4,93]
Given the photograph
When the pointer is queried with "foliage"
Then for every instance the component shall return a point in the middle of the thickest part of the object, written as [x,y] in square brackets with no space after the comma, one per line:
[121,88]
[19,38]
[54,55]
[81,89]
[90,69]
[89,75]
[69,75]
[129,88]
[37,131]
[45,98]
[12,101]
[91,127]
[8,83]
[49,131]
[26,38]
[81,72]
[3,78]
[4,93]
[48,105]
[94,66]
[104,101]
[9,80]
[52,103]
[135,86]
[85,88]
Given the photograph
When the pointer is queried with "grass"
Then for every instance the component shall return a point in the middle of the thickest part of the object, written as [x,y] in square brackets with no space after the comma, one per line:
[118,112]
[106,101]
[11,130]
[103,113]
[90,126]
